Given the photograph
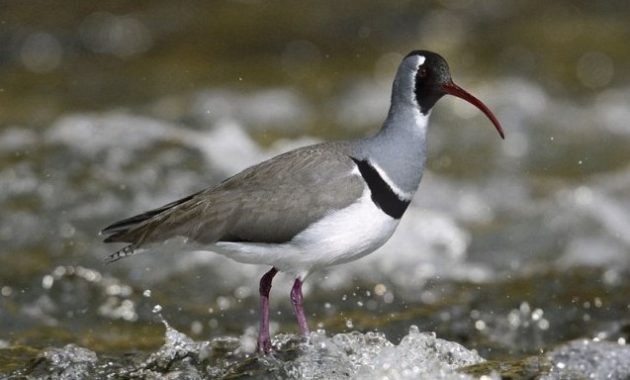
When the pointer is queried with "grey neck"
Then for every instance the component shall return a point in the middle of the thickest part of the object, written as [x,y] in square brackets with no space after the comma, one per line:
[399,149]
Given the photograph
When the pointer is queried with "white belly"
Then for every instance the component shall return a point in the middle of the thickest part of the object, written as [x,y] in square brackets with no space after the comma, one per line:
[342,236]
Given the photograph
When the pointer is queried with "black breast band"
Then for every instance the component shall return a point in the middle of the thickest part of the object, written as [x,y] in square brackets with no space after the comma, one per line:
[382,194]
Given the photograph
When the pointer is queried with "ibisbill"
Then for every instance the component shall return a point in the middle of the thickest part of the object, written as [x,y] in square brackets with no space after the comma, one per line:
[313,207]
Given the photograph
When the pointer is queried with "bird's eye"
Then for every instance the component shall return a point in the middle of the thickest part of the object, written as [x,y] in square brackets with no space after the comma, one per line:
[423,72]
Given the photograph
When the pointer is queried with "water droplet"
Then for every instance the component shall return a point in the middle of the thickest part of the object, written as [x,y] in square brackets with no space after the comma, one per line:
[59,271]
[41,52]
[561,365]
[480,325]
[147,293]
[123,36]
[349,323]
[157,309]
[48,281]
[543,324]
[514,319]
[388,297]
[524,308]
[380,289]
[223,303]
[196,327]
[242,292]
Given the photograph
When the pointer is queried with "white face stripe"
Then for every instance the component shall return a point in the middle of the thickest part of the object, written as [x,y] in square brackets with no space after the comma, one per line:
[419,62]
[403,195]
[420,59]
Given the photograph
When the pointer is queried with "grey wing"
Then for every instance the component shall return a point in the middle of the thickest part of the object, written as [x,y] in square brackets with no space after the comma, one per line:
[279,200]
[267,203]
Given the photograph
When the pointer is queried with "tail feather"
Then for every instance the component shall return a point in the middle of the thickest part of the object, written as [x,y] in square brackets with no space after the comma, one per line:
[127,251]
[118,231]
[137,219]
[125,224]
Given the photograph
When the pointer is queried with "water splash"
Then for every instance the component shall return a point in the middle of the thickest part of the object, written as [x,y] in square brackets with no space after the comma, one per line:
[589,359]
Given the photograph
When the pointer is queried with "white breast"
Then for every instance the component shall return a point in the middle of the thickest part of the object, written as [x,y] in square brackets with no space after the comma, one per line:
[339,237]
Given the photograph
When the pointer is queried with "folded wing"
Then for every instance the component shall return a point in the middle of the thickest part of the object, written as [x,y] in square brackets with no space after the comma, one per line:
[267,203]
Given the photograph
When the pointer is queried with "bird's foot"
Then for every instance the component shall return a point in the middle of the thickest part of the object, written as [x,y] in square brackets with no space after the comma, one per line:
[264,345]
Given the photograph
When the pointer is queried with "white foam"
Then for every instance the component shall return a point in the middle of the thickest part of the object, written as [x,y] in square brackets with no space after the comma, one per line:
[354,355]
[589,360]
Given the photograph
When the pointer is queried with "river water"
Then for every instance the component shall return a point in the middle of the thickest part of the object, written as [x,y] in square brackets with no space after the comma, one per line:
[512,260]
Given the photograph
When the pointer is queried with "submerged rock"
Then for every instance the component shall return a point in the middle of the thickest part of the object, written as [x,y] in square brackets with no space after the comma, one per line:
[66,363]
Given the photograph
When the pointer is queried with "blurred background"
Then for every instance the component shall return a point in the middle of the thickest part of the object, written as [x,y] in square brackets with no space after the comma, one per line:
[510,247]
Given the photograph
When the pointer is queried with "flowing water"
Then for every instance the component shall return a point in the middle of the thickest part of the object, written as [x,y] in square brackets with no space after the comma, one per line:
[511,262]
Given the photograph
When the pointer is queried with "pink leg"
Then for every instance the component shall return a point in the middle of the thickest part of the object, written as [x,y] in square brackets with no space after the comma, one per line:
[296,300]
[264,340]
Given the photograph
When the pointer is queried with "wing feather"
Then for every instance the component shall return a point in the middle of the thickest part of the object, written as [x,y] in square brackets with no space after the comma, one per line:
[267,203]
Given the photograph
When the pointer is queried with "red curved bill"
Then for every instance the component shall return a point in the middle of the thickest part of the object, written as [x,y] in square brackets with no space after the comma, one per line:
[453,89]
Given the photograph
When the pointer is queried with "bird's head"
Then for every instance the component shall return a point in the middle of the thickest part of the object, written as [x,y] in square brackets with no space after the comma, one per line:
[425,78]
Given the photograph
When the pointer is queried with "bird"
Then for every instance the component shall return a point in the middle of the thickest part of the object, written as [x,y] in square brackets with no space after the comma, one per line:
[312,207]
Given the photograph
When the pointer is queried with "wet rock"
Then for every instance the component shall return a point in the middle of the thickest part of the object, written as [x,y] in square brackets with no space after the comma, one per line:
[176,359]
[66,363]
